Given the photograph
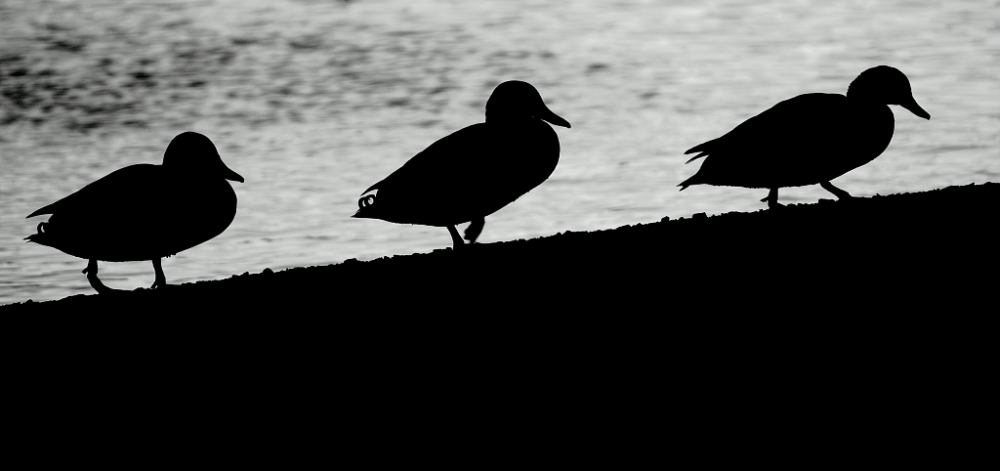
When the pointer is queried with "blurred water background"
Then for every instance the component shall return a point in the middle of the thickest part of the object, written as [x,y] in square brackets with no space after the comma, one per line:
[313,101]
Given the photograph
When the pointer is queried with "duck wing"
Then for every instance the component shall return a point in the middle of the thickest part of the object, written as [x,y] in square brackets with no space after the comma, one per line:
[442,164]
[139,212]
[800,141]
[468,174]
[114,189]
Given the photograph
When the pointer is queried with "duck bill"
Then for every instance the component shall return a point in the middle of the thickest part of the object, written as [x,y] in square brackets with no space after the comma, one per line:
[914,108]
[228,174]
[547,115]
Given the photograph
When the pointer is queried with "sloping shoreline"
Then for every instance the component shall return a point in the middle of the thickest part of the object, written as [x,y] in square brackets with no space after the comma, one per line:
[891,249]
[745,334]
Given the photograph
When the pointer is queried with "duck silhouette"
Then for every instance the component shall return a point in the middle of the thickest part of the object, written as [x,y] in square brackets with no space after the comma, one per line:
[145,211]
[809,139]
[475,171]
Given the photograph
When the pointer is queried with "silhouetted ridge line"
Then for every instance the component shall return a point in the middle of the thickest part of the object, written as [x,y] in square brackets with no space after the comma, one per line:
[885,254]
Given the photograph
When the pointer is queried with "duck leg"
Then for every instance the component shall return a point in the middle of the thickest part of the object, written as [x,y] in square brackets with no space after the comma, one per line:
[840,194]
[457,239]
[161,279]
[91,272]
[472,232]
[772,199]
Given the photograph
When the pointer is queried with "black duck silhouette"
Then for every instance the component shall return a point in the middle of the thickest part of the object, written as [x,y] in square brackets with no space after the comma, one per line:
[475,171]
[809,139]
[145,211]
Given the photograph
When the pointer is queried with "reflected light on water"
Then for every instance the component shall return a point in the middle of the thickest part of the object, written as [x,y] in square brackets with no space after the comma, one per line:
[312,101]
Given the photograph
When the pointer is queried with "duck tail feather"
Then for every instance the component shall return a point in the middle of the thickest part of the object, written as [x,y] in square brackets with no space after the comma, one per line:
[38,238]
[365,213]
[41,211]
[366,207]
[688,182]
[702,149]
[692,159]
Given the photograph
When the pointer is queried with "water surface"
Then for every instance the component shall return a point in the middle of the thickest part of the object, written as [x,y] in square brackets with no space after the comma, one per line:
[313,101]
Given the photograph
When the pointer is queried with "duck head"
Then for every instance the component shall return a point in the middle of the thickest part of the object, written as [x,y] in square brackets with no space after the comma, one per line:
[887,85]
[195,153]
[515,99]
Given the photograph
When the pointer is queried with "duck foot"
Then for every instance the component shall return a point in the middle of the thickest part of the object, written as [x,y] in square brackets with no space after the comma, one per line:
[455,238]
[91,272]
[472,232]
[840,194]
[772,199]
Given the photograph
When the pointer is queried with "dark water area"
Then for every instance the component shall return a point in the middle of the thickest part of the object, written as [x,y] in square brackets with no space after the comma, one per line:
[313,101]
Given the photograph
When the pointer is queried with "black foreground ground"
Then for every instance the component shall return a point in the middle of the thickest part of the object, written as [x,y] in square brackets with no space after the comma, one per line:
[820,333]
[884,254]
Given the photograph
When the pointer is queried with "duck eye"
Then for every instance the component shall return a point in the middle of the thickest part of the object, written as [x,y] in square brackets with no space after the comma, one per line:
[366,201]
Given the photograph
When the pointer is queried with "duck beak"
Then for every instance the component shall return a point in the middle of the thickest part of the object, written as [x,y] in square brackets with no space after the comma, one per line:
[914,108]
[547,115]
[228,174]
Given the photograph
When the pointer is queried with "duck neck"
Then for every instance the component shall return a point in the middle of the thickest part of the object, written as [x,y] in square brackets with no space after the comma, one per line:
[506,119]
[856,92]
[499,118]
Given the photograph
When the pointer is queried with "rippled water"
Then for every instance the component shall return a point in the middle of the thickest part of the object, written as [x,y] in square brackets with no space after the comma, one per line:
[312,101]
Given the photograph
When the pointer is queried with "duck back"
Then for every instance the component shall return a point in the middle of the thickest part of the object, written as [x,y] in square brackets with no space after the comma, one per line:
[136,213]
[469,174]
[806,140]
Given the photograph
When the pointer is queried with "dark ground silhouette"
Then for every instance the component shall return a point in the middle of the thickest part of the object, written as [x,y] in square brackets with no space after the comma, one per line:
[475,171]
[873,255]
[804,335]
[810,139]
[144,211]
